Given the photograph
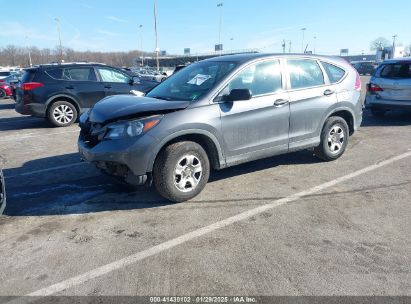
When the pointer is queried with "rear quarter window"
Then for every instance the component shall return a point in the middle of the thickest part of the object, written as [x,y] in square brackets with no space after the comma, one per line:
[334,73]
[55,73]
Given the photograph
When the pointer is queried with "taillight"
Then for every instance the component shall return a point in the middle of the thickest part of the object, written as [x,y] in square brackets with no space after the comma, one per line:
[357,85]
[371,87]
[28,86]
[1,80]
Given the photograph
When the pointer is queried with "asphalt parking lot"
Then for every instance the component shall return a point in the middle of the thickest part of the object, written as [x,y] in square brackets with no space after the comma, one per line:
[262,228]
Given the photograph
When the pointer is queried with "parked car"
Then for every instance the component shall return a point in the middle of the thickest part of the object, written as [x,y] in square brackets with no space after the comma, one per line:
[13,78]
[60,92]
[390,87]
[6,90]
[365,67]
[151,74]
[221,112]
[4,74]
[2,188]
[12,82]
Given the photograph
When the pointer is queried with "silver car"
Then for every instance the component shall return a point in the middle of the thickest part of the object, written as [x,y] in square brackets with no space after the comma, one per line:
[221,112]
[390,87]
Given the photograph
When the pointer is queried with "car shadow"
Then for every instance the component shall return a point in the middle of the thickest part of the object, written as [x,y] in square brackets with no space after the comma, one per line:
[83,189]
[390,118]
[23,123]
[7,106]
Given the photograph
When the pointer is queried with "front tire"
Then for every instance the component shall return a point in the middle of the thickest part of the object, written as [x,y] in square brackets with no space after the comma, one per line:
[62,114]
[3,94]
[334,139]
[181,171]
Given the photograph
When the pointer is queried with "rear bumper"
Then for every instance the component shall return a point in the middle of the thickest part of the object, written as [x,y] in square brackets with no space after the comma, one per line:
[373,102]
[34,109]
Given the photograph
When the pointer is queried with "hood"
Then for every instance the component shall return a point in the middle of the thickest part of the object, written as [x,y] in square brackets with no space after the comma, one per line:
[119,106]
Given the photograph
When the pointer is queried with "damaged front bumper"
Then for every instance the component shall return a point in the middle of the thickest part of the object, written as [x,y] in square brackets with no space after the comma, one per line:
[127,159]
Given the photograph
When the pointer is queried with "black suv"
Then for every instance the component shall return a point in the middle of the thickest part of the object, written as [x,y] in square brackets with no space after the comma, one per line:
[365,67]
[60,92]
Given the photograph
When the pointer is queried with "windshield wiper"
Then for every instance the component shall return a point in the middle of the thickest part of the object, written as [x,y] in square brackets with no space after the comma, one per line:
[160,97]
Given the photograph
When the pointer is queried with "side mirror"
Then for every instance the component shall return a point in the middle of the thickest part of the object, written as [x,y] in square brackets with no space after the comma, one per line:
[135,80]
[238,94]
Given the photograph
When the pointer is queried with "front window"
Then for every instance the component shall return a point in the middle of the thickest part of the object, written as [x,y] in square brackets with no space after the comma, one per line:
[109,75]
[261,79]
[193,82]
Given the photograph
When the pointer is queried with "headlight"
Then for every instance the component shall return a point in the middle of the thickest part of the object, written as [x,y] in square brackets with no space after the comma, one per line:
[131,128]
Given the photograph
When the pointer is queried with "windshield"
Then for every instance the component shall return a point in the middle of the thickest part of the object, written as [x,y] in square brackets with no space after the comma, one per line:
[193,82]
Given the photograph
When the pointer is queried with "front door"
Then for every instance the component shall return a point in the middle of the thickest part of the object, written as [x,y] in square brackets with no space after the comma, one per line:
[257,127]
[114,81]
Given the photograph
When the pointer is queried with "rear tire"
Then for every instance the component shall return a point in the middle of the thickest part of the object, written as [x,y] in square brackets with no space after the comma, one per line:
[181,171]
[3,94]
[62,114]
[334,139]
[378,113]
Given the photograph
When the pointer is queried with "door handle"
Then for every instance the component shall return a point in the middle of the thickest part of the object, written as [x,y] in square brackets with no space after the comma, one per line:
[328,92]
[69,87]
[108,86]
[280,102]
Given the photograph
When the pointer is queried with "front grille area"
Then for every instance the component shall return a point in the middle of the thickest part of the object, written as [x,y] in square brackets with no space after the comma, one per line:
[92,133]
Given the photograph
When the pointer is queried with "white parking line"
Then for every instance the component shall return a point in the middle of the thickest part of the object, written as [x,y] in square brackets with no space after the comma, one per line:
[105,269]
[44,170]
[28,135]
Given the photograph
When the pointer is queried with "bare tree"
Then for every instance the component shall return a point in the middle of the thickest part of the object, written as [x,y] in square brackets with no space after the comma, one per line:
[18,56]
[379,43]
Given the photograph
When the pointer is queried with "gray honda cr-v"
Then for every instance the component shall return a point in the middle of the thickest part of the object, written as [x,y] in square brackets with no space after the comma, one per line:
[221,112]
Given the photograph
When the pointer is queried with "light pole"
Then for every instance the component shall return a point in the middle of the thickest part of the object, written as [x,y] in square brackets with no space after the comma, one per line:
[141,44]
[28,50]
[58,30]
[302,41]
[315,43]
[393,42]
[155,30]
[220,6]
[289,46]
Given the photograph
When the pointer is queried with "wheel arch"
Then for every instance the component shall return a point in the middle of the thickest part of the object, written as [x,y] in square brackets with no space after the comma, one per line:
[205,139]
[62,97]
[344,112]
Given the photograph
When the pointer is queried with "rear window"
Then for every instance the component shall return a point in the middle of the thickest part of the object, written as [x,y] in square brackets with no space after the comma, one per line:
[28,75]
[396,71]
[334,73]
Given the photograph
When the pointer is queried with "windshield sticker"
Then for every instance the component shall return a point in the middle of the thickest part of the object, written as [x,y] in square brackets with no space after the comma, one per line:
[199,79]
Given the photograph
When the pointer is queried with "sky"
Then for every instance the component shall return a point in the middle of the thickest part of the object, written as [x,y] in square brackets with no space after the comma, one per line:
[106,25]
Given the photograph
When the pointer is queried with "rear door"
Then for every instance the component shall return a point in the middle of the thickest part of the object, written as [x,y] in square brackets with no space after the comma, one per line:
[261,123]
[395,81]
[311,95]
